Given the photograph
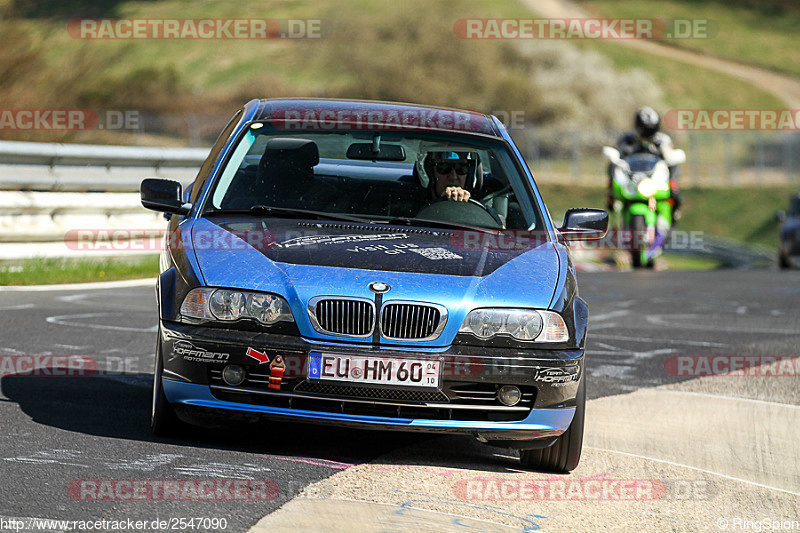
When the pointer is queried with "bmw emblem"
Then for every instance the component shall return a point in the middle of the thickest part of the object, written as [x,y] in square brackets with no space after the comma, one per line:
[379,287]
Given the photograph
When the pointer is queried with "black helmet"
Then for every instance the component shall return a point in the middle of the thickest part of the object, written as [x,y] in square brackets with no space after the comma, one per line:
[647,122]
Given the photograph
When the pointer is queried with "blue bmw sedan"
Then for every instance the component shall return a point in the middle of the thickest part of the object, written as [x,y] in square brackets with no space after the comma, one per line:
[374,265]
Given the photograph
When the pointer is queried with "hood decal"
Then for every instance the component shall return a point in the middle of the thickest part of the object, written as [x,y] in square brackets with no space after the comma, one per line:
[372,248]
[365,246]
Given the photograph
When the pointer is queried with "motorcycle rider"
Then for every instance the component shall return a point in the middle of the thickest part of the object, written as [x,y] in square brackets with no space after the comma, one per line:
[647,138]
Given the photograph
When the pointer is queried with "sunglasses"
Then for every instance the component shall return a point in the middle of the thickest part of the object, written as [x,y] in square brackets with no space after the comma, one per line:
[445,168]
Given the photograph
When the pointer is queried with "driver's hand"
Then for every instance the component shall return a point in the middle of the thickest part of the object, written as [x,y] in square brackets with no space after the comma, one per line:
[456,194]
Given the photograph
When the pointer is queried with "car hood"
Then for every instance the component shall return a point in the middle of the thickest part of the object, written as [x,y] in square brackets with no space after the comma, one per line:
[300,260]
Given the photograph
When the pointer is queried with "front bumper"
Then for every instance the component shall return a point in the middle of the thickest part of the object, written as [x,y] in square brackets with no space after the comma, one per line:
[193,357]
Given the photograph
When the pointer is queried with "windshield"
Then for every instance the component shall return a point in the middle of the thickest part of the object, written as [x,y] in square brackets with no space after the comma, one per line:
[642,162]
[375,176]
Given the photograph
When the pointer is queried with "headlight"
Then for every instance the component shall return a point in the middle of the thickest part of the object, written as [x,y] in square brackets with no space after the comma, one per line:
[647,187]
[521,324]
[227,305]
[206,303]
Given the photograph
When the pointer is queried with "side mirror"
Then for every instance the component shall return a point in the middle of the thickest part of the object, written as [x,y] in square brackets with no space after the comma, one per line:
[584,224]
[675,157]
[780,216]
[163,195]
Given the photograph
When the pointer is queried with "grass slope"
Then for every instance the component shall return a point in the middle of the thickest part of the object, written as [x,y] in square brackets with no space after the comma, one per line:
[757,32]
[52,271]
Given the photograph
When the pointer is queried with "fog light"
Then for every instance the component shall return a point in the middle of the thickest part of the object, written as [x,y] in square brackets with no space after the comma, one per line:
[509,395]
[233,375]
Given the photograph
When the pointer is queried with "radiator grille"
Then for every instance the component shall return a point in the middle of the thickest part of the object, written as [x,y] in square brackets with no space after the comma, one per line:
[409,321]
[345,317]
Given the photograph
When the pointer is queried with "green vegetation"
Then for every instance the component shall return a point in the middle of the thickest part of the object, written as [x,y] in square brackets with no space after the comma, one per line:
[404,51]
[687,262]
[743,214]
[52,271]
[758,32]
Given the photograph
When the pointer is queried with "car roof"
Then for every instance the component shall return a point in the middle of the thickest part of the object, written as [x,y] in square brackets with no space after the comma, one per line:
[324,114]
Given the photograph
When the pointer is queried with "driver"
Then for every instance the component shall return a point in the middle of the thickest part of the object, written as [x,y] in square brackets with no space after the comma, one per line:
[453,175]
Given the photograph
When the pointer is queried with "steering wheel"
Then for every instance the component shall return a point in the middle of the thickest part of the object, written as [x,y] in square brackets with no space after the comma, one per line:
[471,212]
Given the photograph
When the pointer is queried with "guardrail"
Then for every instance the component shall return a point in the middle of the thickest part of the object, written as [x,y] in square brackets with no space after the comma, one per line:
[85,167]
[48,189]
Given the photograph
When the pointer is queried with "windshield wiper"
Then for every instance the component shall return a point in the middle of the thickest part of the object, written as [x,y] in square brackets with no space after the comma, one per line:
[285,212]
[406,221]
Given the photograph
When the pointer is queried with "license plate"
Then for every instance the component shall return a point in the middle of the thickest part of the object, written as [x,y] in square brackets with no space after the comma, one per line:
[374,370]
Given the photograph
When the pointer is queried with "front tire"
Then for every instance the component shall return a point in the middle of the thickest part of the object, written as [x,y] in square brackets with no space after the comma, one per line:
[639,230]
[564,454]
[163,421]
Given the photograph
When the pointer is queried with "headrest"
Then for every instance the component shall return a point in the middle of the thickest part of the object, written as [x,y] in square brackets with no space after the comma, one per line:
[301,153]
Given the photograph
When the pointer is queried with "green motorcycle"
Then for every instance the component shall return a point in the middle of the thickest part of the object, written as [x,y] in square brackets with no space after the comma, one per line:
[642,208]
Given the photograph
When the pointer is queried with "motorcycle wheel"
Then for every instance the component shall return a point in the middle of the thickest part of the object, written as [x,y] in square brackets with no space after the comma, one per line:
[639,228]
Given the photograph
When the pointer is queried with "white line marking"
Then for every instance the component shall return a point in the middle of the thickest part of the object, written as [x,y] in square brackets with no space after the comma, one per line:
[594,327]
[60,320]
[70,346]
[608,347]
[81,286]
[12,351]
[612,314]
[726,397]
[665,341]
[695,468]
[83,299]
[663,320]
[15,307]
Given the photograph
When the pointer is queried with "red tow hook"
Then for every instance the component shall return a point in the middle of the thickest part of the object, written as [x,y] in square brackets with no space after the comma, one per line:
[276,370]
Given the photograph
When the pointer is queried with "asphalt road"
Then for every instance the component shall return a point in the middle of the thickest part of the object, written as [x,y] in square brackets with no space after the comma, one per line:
[56,429]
